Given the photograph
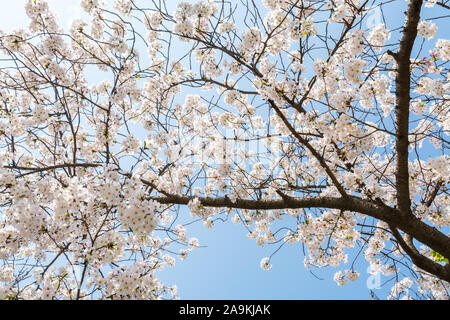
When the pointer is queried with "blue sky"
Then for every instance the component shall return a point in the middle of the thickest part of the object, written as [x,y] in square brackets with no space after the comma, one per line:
[228,266]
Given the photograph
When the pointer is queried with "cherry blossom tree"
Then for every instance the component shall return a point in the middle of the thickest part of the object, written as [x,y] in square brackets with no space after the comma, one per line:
[288,117]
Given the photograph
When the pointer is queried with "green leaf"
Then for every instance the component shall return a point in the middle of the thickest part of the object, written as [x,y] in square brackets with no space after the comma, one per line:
[438,257]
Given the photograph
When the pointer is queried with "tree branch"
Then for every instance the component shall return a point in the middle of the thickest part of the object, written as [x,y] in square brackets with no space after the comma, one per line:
[424,233]
[313,151]
[418,259]
[402,91]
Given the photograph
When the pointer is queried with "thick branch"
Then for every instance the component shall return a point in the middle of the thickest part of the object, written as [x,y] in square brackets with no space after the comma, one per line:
[402,91]
[418,259]
[424,233]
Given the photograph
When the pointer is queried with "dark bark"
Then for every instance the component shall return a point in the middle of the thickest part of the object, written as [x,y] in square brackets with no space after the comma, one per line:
[410,225]
[418,259]
[402,91]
